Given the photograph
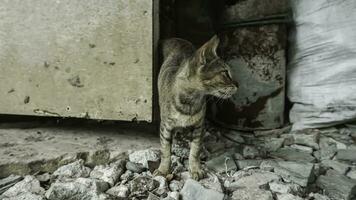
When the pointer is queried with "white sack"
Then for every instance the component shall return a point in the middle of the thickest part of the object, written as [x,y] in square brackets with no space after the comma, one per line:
[322,68]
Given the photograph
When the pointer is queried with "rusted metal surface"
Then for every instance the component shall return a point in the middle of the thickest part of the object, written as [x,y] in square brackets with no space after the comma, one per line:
[257,58]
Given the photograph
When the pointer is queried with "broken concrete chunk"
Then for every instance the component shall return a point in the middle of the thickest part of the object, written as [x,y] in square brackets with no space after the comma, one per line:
[285,188]
[142,185]
[163,185]
[28,185]
[172,196]
[73,170]
[8,182]
[273,144]
[223,163]
[212,182]
[121,191]
[242,164]
[317,196]
[273,132]
[143,156]
[234,136]
[340,167]
[175,185]
[337,186]
[259,179]
[302,148]
[109,174]
[250,152]
[288,197]
[193,190]
[24,196]
[352,174]
[346,154]
[251,194]
[81,188]
[135,167]
[290,154]
[300,173]
[310,140]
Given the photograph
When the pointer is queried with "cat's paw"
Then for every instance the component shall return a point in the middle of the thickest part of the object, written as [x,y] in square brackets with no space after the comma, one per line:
[197,173]
[161,172]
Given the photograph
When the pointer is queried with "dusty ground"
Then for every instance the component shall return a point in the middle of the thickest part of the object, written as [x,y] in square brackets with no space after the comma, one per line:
[26,148]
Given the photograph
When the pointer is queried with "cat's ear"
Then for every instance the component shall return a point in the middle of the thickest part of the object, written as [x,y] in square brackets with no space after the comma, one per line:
[208,50]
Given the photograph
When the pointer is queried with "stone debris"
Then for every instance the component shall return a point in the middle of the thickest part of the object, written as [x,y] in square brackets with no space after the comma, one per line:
[73,170]
[143,156]
[223,163]
[337,186]
[346,154]
[120,191]
[193,190]
[8,182]
[264,165]
[251,194]
[288,197]
[109,174]
[340,167]
[29,186]
[80,188]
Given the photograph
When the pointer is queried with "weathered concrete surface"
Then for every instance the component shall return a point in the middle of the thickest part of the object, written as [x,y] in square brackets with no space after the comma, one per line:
[26,151]
[73,58]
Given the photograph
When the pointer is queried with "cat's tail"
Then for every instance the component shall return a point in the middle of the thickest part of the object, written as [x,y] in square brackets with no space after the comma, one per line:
[174,46]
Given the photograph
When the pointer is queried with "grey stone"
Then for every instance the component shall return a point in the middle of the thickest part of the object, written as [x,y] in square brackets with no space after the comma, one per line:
[212,182]
[135,167]
[127,176]
[290,154]
[310,140]
[80,188]
[44,177]
[346,154]
[175,185]
[352,174]
[173,196]
[8,182]
[258,179]
[273,132]
[248,163]
[234,136]
[273,144]
[121,191]
[24,196]
[250,152]
[251,194]
[28,185]
[329,147]
[300,173]
[163,185]
[337,186]
[73,170]
[193,190]
[142,185]
[151,196]
[109,174]
[317,196]
[143,156]
[223,163]
[288,197]
[285,188]
[342,168]
[302,148]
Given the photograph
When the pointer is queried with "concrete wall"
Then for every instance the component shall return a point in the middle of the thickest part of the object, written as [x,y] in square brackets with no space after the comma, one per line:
[77,58]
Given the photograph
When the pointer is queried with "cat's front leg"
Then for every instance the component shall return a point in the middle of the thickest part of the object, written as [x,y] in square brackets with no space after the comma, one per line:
[166,146]
[195,167]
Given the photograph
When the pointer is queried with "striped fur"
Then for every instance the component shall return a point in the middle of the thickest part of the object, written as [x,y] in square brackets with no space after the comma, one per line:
[186,77]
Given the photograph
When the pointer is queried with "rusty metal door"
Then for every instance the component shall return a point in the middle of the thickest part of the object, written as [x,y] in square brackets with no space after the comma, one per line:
[77,58]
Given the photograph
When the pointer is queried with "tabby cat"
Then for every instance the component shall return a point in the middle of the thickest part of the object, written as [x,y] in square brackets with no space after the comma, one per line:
[186,77]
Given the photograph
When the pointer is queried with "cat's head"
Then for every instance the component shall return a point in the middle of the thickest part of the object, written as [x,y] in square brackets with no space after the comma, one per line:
[214,74]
